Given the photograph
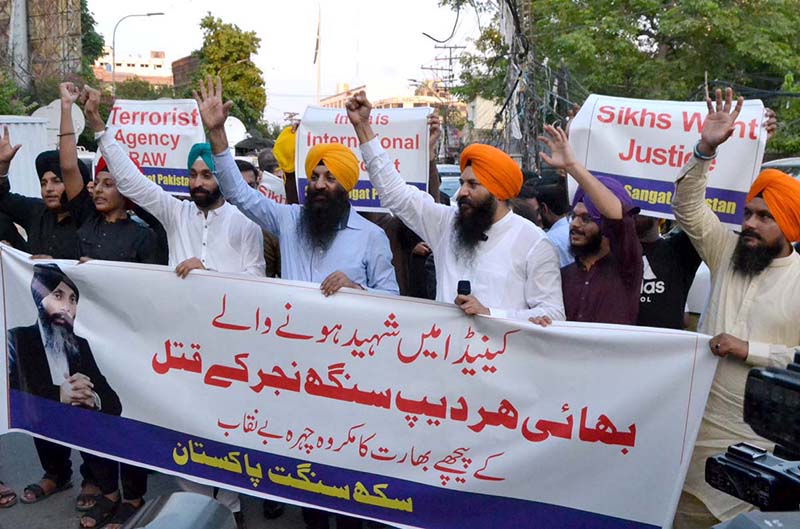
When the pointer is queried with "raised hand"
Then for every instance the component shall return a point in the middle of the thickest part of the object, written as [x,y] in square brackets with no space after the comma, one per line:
[90,99]
[561,155]
[435,133]
[7,151]
[718,126]
[212,110]
[358,108]
[69,93]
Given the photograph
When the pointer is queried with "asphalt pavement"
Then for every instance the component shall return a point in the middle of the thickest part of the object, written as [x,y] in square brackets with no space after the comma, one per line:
[19,466]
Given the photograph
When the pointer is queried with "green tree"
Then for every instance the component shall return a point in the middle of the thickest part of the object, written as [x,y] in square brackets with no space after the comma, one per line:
[139,89]
[226,52]
[92,42]
[12,100]
[787,138]
[653,49]
[484,71]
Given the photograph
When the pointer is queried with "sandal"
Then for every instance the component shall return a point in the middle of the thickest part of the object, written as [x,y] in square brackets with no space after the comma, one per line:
[38,491]
[101,513]
[125,512]
[86,500]
[7,494]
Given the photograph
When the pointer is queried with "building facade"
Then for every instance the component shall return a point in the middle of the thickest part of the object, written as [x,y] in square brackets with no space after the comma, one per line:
[40,39]
[153,68]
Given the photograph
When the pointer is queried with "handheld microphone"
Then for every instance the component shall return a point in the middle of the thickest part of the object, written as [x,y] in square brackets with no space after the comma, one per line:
[464,288]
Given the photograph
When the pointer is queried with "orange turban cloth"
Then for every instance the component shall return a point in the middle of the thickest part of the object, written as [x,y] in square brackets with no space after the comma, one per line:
[339,160]
[284,150]
[494,169]
[781,192]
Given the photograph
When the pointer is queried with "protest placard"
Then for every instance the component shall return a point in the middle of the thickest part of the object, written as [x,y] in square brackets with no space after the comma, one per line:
[159,135]
[402,132]
[272,187]
[644,144]
[384,407]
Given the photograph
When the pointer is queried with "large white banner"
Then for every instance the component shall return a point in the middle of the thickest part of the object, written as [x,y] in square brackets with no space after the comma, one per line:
[159,135]
[389,408]
[644,143]
[403,133]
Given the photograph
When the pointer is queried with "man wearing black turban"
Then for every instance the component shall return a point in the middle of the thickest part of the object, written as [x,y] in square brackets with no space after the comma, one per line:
[51,222]
[47,359]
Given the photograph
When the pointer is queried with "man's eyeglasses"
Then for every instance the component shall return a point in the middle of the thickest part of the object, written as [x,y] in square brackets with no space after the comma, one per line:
[585,218]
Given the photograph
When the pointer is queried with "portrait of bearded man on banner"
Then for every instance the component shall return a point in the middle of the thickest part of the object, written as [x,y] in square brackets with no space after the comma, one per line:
[47,358]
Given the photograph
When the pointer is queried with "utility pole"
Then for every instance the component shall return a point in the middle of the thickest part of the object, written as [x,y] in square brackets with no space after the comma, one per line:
[445,102]
[529,123]
[448,81]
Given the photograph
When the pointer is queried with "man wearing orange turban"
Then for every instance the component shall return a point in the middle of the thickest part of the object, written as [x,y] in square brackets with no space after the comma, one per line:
[511,266]
[322,241]
[754,305]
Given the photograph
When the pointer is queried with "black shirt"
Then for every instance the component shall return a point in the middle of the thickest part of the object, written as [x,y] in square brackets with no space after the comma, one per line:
[161,234]
[123,240]
[47,234]
[670,264]
[9,233]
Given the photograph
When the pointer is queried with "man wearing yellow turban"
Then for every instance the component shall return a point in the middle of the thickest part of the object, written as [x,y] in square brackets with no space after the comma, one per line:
[323,241]
[510,264]
[754,305]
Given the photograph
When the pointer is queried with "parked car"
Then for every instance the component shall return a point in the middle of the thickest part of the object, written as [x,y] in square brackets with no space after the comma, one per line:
[450,175]
[790,166]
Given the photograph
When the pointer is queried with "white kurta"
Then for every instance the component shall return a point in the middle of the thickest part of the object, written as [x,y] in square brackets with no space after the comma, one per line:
[515,272]
[764,310]
[224,240]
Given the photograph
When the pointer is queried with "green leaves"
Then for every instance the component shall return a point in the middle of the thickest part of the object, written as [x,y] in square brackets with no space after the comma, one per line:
[226,52]
[657,49]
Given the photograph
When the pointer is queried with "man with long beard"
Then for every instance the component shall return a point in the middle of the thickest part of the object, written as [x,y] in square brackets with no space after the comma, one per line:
[511,265]
[47,359]
[754,306]
[604,282]
[323,241]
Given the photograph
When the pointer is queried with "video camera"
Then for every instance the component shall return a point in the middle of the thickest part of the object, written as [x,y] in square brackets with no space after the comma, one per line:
[770,482]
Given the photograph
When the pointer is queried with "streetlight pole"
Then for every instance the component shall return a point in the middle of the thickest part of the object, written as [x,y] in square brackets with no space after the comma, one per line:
[114,48]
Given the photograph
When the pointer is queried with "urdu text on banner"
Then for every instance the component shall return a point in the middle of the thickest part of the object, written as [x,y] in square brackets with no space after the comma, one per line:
[384,407]
[158,136]
[644,143]
[403,134]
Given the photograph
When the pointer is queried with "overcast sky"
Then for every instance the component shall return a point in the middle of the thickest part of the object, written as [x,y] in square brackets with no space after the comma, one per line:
[373,42]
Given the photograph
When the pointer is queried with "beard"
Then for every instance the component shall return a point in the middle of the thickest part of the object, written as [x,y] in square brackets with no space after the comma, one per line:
[323,211]
[471,224]
[57,335]
[203,198]
[752,260]
[591,247]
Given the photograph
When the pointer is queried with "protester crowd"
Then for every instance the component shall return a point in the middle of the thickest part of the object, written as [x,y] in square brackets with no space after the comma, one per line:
[526,251]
